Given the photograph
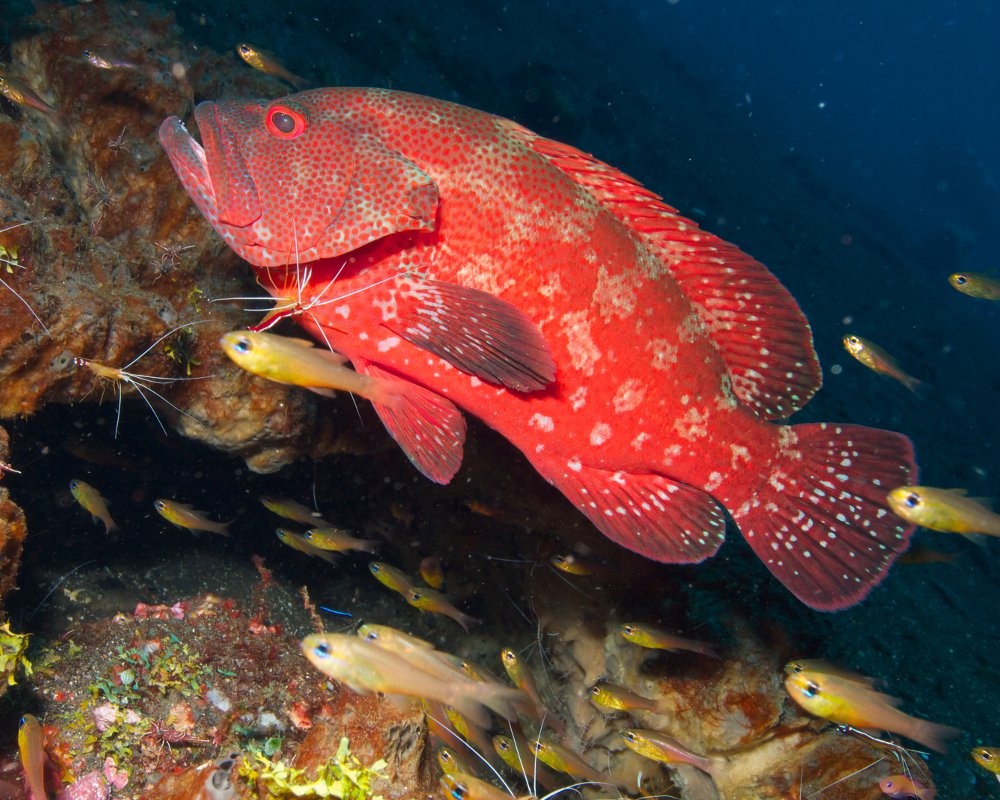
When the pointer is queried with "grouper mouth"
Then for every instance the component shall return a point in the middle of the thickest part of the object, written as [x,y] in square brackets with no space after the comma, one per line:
[214,174]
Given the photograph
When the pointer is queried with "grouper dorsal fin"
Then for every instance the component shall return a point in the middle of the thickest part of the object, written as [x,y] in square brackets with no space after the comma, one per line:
[759,330]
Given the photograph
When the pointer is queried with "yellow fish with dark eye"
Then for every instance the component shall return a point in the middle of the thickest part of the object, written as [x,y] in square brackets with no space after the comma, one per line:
[184,516]
[29,743]
[658,639]
[297,362]
[522,678]
[573,564]
[462,786]
[563,760]
[436,603]
[450,762]
[293,510]
[338,541]
[514,753]
[943,510]
[611,697]
[976,284]
[266,62]
[878,360]
[298,542]
[368,668]
[988,758]
[660,747]
[20,93]
[390,576]
[92,501]
[848,701]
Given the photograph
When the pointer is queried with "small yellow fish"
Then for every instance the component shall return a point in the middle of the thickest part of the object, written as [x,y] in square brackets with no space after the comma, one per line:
[848,701]
[367,668]
[293,510]
[473,735]
[943,510]
[91,500]
[20,93]
[564,760]
[297,362]
[436,603]
[658,639]
[390,576]
[988,758]
[660,747]
[976,284]
[515,754]
[878,360]
[183,516]
[573,564]
[450,762]
[338,541]
[29,743]
[826,668]
[431,572]
[298,542]
[610,696]
[461,786]
[522,678]
[265,62]
[101,62]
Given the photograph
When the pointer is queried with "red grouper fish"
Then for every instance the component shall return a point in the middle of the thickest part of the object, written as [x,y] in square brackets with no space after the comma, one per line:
[637,361]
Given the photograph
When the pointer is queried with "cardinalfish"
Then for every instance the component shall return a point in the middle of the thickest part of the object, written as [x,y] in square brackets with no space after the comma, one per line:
[878,360]
[512,750]
[853,702]
[391,577]
[473,734]
[366,668]
[574,564]
[293,510]
[433,601]
[943,510]
[336,540]
[826,668]
[416,651]
[91,500]
[521,676]
[564,760]
[297,362]
[660,747]
[101,62]
[120,376]
[29,743]
[988,758]
[451,763]
[265,62]
[976,284]
[431,572]
[900,787]
[20,93]
[297,541]
[658,639]
[184,516]
[611,697]
[462,786]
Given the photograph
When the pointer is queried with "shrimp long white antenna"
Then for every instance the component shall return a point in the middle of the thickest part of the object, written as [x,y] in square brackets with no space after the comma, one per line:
[845,778]
[10,288]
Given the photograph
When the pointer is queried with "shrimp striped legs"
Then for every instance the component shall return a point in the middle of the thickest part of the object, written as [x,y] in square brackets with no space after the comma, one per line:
[6,257]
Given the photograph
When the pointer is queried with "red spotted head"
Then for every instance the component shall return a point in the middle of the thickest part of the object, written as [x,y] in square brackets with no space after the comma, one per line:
[299,178]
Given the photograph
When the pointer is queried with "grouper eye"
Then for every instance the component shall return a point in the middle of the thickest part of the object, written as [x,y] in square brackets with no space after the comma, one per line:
[283,122]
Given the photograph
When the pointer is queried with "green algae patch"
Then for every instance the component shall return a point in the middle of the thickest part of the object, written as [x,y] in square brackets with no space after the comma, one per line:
[343,776]
[13,647]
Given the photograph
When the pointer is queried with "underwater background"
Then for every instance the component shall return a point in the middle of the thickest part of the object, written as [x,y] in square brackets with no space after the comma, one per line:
[850,149]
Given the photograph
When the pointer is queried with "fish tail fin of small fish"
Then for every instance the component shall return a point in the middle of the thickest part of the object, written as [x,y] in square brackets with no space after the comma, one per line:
[819,521]
[978,539]
[429,428]
[917,387]
[110,526]
[931,734]
[222,528]
[649,514]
